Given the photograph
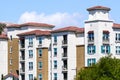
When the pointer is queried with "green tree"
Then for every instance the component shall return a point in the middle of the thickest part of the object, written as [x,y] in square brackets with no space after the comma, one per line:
[106,69]
[2,26]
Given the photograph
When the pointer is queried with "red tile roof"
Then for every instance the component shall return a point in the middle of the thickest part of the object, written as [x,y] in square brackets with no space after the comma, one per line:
[3,36]
[36,32]
[98,8]
[116,25]
[69,28]
[34,24]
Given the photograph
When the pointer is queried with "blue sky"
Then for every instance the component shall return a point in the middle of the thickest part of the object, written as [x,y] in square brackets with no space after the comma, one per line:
[57,12]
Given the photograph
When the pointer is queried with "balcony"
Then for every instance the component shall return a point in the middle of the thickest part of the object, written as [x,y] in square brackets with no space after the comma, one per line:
[64,55]
[22,47]
[39,45]
[90,41]
[30,45]
[54,43]
[64,43]
[22,58]
[105,41]
[117,41]
[22,71]
[64,68]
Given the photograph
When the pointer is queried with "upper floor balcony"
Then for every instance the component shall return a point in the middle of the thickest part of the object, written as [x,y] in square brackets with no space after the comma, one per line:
[64,68]
[64,55]
[22,46]
[22,70]
[22,58]
[90,41]
[106,41]
[40,45]
[64,43]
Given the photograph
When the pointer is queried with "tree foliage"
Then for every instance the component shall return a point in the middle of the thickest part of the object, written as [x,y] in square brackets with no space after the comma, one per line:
[2,26]
[106,69]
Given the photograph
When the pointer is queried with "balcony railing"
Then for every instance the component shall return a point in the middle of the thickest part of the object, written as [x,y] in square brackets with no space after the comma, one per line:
[64,43]
[64,68]
[22,70]
[22,46]
[30,45]
[54,43]
[105,41]
[64,55]
[39,45]
[90,41]
[22,58]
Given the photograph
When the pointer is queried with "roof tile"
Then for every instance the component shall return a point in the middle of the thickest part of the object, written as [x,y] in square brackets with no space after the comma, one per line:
[36,32]
[3,36]
[98,8]
[69,28]
[34,24]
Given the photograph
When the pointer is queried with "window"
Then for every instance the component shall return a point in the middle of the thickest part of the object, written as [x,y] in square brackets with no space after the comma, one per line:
[30,65]
[30,41]
[117,49]
[10,61]
[10,49]
[90,36]
[64,39]
[30,53]
[91,49]
[117,38]
[40,77]
[55,39]
[55,76]
[40,65]
[40,52]
[55,51]
[105,49]
[55,64]
[105,35]
[91,61]
[30,76]
[11,37]
[40,40]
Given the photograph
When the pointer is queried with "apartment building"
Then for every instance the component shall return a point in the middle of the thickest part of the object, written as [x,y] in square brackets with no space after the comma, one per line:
[36,50]
[101,35]
[3,55]
[34,55]
[64,52]
[16,50]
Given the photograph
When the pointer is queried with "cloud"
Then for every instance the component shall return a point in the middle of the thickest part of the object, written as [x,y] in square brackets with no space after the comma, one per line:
[58,19]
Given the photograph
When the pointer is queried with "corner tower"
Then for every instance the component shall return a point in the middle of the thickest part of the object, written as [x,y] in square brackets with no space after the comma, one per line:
[98,34]
[98,13]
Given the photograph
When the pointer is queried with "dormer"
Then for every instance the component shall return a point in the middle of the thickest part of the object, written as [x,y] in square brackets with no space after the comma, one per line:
[98,13]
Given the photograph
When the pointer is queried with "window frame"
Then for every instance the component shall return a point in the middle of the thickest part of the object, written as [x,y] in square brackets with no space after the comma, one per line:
[30,65]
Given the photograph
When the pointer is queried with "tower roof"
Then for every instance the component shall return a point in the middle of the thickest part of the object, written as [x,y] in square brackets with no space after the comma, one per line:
[98,8]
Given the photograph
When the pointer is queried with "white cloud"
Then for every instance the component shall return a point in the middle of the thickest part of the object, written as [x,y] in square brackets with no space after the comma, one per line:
[58,19]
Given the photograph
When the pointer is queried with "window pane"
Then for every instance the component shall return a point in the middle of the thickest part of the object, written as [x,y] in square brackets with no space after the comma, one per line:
[40,40]
[55,51]
[55,76]
[55,64]
[30,76]
[40,52]
[40,77]
[55,38]
[30,53]
[40,65]
[30,65]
